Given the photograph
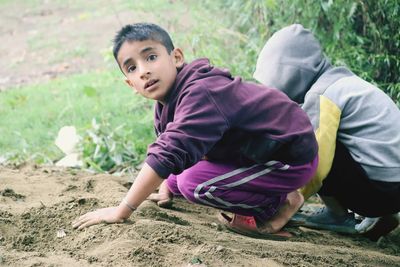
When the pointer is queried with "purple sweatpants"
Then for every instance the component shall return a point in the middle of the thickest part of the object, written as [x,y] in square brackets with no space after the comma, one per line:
[258,190]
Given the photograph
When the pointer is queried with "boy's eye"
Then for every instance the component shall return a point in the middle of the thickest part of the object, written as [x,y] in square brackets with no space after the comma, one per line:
[131,68]
[152,57]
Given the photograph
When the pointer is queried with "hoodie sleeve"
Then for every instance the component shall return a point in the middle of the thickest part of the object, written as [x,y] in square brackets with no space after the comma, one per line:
[197,125]
[325,118]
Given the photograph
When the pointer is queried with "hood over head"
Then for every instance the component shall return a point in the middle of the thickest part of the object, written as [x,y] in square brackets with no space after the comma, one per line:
[291,61]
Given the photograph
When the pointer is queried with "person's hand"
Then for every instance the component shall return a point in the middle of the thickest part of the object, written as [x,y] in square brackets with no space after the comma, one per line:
[106,215]
[163,200]
[164,196]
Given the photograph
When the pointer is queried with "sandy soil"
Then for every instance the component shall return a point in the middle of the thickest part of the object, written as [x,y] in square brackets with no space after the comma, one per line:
[36,203]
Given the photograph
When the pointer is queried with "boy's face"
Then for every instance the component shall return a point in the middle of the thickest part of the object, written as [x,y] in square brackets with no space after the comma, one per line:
[148,67]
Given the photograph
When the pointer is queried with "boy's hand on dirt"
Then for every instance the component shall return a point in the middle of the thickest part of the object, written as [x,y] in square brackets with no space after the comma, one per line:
[106,215]
[163,200]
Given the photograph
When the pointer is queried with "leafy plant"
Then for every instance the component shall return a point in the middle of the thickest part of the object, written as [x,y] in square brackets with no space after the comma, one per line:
[17,159]
[107,149]
[362,34]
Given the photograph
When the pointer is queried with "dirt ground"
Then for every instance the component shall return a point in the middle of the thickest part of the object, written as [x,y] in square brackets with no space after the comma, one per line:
[39,203]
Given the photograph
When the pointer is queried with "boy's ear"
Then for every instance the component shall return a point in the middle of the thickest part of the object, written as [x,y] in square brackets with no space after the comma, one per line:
[178,57]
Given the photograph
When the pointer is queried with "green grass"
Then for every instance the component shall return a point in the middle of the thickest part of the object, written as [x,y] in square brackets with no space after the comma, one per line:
[32,115]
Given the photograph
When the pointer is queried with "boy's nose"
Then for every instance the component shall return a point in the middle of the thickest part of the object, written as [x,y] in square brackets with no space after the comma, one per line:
[144,74]
[143,70]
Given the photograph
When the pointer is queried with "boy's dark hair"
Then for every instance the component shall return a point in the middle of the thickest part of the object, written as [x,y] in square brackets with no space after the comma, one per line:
[142,32]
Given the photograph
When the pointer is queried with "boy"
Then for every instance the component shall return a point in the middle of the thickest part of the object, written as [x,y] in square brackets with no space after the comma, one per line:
[357,128]
[221,142]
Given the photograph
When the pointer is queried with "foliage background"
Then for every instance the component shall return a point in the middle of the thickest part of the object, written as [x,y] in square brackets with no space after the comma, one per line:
[116,125]
[363,34]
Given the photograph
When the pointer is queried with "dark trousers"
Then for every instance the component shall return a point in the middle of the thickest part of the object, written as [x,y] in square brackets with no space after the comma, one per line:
[348,183]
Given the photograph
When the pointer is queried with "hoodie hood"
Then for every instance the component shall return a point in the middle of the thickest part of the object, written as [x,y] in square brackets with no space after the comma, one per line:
[196,70]
[189,73]
[292,61]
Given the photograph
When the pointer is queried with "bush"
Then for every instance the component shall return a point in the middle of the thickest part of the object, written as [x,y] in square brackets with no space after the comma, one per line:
[363,34]
[108,149]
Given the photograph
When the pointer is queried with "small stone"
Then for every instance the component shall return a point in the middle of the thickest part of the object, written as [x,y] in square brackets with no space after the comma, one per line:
[219,248]
[72,205]
[61,233]
[216,226]
[196,262]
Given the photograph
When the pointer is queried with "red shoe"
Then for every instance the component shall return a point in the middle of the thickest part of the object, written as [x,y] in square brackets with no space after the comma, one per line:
[246,225]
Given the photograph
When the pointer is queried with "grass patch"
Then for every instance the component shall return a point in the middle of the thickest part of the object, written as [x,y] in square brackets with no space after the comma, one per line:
[32,115]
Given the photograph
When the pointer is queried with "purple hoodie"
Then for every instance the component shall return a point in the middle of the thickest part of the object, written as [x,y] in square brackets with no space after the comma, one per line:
[210,113]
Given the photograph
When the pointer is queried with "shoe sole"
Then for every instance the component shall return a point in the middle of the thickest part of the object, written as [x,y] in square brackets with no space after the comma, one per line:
[333,228]
[385,225]
[225,220]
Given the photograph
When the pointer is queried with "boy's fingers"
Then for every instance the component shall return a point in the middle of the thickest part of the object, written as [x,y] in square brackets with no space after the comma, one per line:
[81,220]
[86,224]
[165,203]
[153,197]
[86,215]
[77,223]
[158,197]
[89,222]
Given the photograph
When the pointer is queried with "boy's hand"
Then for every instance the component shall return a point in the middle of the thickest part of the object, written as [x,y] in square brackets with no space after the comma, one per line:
[164,196]
[106,215]
[162,200]
[146,182]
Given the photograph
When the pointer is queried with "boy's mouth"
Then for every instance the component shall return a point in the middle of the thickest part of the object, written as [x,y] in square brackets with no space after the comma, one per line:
[150,83]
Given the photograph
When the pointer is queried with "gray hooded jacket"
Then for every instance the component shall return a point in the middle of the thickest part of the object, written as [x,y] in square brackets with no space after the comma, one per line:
[339,104]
